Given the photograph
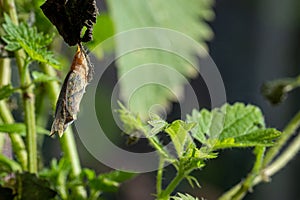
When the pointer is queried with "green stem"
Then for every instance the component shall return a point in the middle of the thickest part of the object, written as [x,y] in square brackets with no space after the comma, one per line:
[13,165]
[158,147]
[69,148]
[5,71]
[159,175]
[28,95]
[165,194]
[6,116]
[2,139]
[295,84]
[16,140]
[289,153]
[67,141]
[247,184]
[230,193]
[10,8]
[287,133]
[29,109]
[3,81]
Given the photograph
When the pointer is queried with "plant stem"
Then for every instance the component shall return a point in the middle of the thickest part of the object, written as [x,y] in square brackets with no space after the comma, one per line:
[289,153]
[2,139]
[247,184]
[270,170]
[28,95]
[230,193]
[29,109]
[296,83]
[67,141]
[3,81]
[165,194]
[13,165]
[10,8]
[157,146]
[6,116]
[5,71]
[159,175]
[287,133]
[70,151]
[16,140]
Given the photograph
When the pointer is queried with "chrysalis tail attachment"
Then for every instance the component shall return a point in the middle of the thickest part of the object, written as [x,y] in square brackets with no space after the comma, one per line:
[90,65]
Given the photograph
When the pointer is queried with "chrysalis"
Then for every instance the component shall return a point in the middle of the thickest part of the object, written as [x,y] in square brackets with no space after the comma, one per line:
[71,93]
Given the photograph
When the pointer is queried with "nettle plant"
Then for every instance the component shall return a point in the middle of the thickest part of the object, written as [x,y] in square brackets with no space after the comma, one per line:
[195,140]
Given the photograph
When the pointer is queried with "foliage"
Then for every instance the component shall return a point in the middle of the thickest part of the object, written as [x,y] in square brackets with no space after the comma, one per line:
[6,91]
[59,175]
[28,186]
[39,77]
[20,128]
[27,38]
[199,138]
[58,181]
[231,126]
[144,47]
[184,197]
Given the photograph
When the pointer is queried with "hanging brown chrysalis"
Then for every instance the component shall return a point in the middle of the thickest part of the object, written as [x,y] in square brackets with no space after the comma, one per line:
[71,93]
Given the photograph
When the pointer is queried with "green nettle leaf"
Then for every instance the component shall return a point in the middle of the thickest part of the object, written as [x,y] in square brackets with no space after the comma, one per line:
[8,165]
[6,91]
[193,181]
[110,182]
[178,132]
[184,197]
[156,75]
[132,123]
[230,126]
[39,77]
[276,91]
[28,38]
[58,174]
[118,176]
[259,137]
[263,137]
[157,124]
[20,128]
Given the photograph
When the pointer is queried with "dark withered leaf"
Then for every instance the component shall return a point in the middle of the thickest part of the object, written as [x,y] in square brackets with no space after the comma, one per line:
[276,91]
[70,17]
[6,193]
[33,187]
